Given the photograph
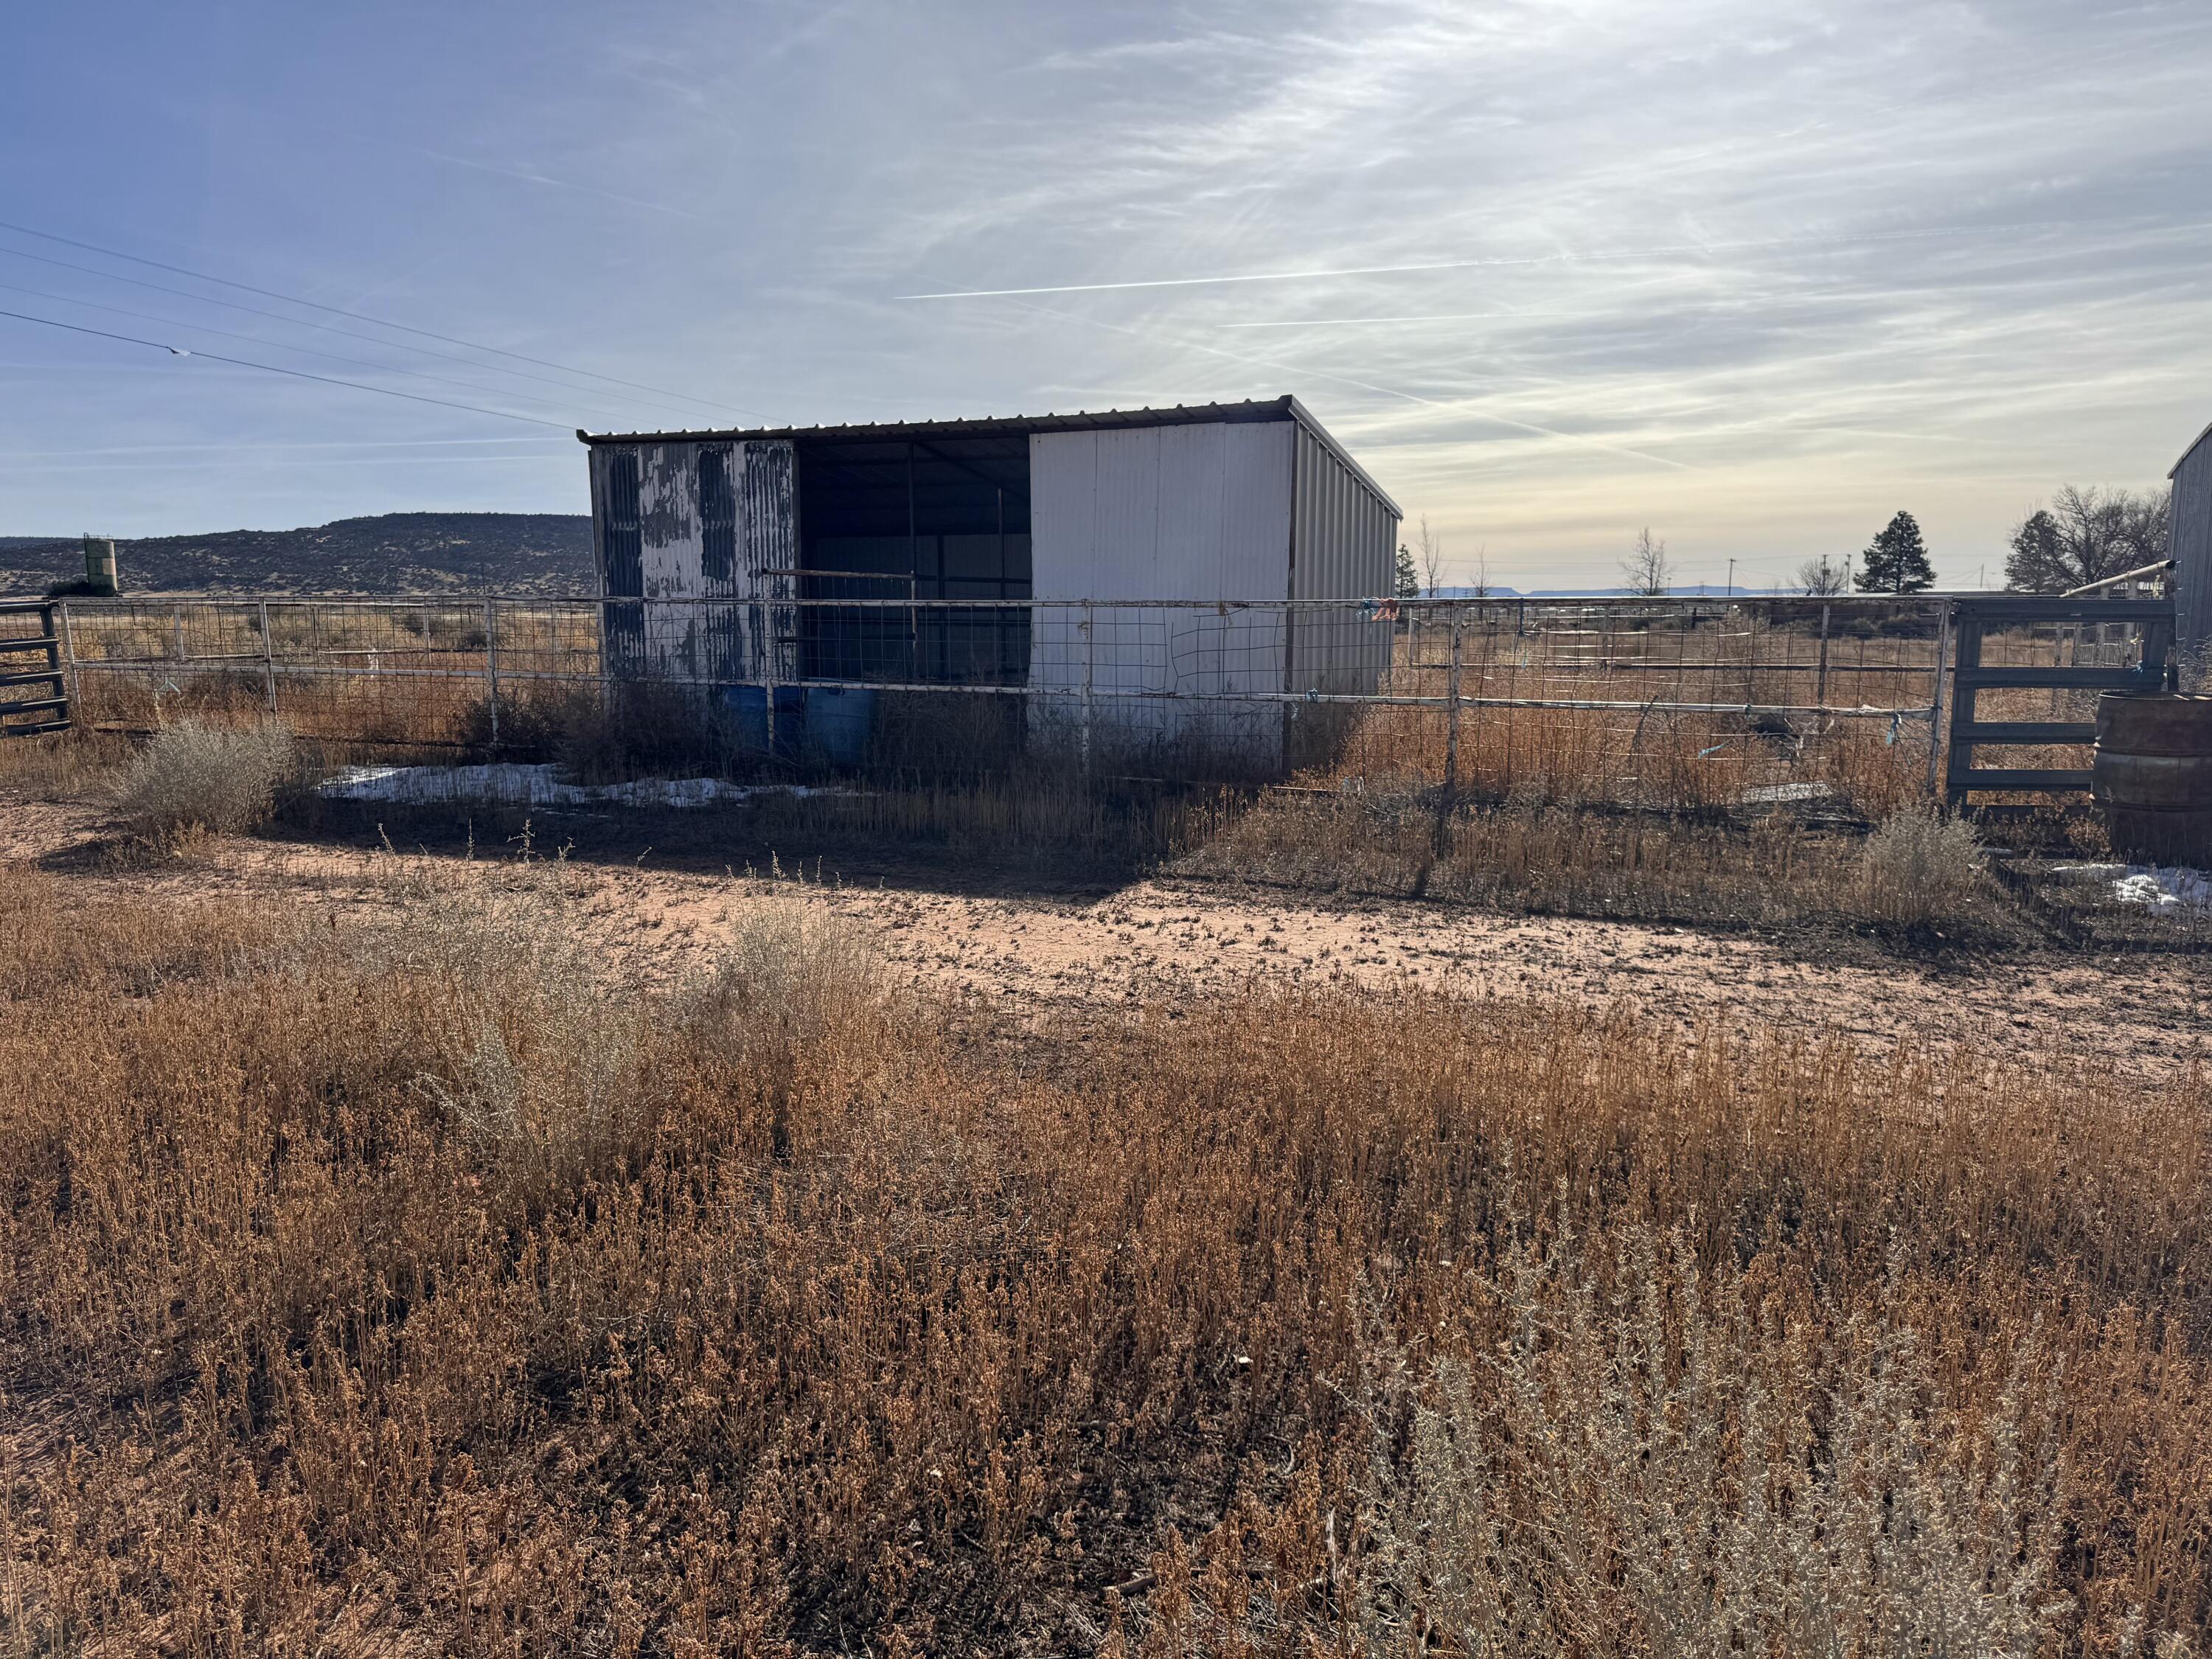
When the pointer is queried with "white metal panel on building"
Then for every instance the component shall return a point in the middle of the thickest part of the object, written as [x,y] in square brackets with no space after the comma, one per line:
[2189,544]
[1346,543]
[1192,512]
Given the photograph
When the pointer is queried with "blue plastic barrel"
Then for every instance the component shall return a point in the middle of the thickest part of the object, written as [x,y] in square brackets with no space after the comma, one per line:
[839,721]
[748,708]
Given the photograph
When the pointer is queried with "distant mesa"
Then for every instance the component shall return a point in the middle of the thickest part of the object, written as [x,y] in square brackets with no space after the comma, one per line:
[391,553]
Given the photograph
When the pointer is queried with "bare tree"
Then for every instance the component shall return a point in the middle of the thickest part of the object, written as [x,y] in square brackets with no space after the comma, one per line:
[1824,578]
[2085,536]
[1646,566]
[1431,547]
[1478,583]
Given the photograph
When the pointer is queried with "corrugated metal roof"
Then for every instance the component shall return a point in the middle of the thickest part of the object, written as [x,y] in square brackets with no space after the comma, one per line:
[1284,408]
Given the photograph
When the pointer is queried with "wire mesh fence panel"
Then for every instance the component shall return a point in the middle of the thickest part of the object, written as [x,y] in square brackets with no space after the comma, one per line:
[1668,702]
[1679,703]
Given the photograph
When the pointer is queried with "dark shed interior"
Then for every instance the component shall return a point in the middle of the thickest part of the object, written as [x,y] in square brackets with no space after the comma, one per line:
[890,519]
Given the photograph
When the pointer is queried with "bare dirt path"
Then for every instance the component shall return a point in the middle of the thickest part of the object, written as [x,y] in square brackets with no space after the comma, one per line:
[1164,938]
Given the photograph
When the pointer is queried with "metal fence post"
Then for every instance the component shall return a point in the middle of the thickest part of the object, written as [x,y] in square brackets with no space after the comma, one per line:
[268,657]
[1821,680]
[69,663]
[491,669]
[1935,703]
[1089,666]
[768,667]
[1448,798]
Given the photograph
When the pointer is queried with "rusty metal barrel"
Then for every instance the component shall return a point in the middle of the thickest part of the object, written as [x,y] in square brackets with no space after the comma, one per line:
[2153,775]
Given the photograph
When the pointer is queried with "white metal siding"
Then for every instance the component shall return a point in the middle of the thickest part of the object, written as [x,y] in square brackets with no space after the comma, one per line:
[1199,511]
[2189,546]
[1346,541]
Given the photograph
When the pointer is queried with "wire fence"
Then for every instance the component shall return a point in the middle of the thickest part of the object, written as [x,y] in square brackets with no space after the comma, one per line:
[1673,702]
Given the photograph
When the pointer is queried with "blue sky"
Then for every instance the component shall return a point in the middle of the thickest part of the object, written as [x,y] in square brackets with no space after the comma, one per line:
[1755,273]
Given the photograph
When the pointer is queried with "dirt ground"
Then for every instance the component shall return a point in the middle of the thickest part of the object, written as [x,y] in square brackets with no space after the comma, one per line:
[1022,951]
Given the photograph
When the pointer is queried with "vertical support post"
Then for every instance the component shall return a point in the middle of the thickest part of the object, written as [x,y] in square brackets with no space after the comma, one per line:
[1448,797]
[268,657]
[1935,699]
[69,661]
[1090,668]
[49,630]
[2158,648]
[491,669]
[1965,656]
[176,632]
[913,575]
[768,674]
[1820,678]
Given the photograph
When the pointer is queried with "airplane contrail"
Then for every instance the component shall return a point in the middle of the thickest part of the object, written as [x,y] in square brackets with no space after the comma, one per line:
[1434,317]
[1671,251]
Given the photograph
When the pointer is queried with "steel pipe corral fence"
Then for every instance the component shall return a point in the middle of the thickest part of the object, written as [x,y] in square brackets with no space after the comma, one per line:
[1696,702]
[187,634]
[1753,680]
[168,635]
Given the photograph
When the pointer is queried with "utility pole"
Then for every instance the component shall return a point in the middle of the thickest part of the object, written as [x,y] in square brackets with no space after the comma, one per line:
[1731,582]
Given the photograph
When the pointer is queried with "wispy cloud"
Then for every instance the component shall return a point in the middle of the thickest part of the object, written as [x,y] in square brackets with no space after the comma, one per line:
[1756,272]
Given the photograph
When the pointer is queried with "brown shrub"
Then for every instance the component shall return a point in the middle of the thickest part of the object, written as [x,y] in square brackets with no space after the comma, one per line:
[191,777]
[1921,868]
[425,1283]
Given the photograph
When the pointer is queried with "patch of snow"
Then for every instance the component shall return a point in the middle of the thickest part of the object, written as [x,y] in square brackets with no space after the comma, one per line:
[2161,887]
[2085,875]
[507,784]
[1774,794]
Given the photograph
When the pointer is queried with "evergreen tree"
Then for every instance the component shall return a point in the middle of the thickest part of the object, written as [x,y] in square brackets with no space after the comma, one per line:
[2037,563]
[1897,561]
[1409,579]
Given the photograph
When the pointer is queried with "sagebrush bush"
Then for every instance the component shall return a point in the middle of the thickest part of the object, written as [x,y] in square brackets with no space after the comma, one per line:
[195,777]
[1663,1454]
[434,1283]
[1921,868]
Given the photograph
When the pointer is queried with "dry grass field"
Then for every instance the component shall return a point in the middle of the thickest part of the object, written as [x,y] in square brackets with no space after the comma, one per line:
[462,1249]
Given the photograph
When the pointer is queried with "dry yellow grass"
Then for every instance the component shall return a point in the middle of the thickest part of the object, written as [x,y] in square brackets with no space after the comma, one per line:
[422,1287]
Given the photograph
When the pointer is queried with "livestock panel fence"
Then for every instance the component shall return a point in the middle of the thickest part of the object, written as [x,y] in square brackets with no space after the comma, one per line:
[1674,702]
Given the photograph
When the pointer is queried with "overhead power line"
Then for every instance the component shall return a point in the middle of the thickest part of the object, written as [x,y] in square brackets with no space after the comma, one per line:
[272,368]
[256,339]
[332,328]
[360,317]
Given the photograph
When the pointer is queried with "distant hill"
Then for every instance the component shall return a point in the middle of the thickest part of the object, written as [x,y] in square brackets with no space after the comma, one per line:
[392,553]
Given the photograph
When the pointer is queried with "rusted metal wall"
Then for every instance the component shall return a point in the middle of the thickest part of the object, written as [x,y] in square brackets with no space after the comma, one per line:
[700,521]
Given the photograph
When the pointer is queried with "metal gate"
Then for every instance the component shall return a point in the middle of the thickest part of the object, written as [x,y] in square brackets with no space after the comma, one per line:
[33,696]
[1976,618]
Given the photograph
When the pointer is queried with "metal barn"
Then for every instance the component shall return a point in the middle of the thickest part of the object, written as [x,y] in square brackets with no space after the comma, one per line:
[1157,563]
[2189,546]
